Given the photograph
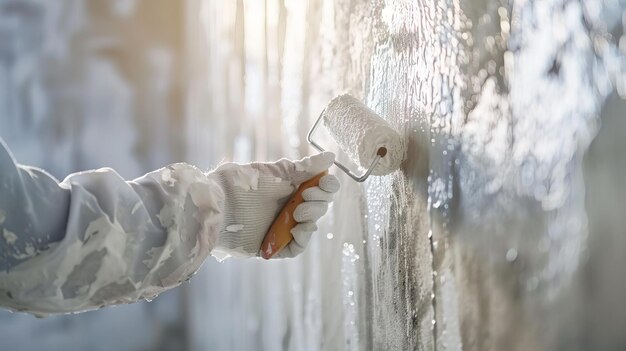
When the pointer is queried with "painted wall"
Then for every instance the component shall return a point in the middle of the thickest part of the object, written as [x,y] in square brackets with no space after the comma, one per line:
[496,233]
[503,230]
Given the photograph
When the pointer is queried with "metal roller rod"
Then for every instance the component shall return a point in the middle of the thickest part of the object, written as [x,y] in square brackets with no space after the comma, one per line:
[382,151]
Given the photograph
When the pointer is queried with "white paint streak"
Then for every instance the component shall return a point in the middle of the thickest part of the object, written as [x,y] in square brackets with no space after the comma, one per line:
[235,228]
[9,236]
[136,208]
[243,176]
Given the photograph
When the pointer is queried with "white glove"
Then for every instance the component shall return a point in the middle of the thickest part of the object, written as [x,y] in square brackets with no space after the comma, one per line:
[254,195]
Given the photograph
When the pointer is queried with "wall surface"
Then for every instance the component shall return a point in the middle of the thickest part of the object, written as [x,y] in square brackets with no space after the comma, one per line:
[503,229]
[492,234]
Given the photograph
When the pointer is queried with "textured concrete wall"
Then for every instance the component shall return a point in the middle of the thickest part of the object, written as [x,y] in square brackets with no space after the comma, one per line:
[494,234]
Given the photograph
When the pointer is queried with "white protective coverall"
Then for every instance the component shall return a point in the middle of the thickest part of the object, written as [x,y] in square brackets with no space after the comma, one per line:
[95,239]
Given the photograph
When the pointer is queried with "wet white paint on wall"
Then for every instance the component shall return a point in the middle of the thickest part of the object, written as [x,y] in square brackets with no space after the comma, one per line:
[501,231]
[481,240]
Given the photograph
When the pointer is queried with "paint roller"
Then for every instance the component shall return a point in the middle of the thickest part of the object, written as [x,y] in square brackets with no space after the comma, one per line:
[364,136]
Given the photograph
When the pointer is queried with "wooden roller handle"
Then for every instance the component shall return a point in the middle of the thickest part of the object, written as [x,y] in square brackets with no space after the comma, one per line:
[279,234]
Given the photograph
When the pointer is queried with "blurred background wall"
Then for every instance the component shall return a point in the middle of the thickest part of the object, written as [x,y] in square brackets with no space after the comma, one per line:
[504,229]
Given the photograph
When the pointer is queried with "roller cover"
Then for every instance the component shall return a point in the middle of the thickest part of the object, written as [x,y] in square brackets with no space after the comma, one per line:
[360,132]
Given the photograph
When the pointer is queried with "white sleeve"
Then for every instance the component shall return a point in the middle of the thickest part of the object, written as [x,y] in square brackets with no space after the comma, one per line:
[96,239]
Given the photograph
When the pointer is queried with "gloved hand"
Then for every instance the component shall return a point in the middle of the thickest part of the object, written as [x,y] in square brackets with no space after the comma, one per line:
[256,192]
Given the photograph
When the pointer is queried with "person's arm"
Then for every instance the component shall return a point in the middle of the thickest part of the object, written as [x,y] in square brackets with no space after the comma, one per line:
[95,239]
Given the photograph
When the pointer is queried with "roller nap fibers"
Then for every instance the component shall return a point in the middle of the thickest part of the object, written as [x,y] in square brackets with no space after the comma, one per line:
[360,132]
